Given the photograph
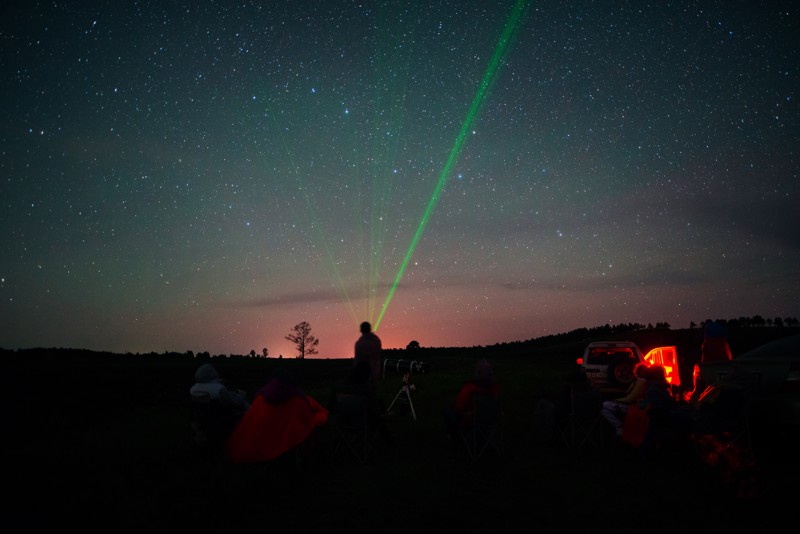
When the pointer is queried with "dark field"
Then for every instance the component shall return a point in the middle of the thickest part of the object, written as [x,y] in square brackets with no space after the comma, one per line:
[102,443]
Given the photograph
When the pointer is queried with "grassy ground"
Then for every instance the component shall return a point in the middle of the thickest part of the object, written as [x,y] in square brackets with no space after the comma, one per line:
[106,447]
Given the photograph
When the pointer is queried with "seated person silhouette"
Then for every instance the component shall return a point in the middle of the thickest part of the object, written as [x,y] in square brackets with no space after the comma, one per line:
[715,348]
[216,408]
[615,410]
[667,419]
[458,416]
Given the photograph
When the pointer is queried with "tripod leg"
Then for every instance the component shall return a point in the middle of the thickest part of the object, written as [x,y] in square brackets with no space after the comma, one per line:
[395,400]
[411,404]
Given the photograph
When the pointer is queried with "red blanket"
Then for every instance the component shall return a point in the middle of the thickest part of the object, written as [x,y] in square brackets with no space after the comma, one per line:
[266,431]
[635,425]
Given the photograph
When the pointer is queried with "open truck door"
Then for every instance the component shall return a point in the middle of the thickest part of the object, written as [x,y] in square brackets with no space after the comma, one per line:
[667,357]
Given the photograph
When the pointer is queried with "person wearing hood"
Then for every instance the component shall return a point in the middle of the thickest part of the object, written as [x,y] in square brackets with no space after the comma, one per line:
[484,383]
[208,383]
[216,409]
[281,418]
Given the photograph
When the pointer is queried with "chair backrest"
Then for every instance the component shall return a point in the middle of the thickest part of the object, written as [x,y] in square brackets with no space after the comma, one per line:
[200,397]
[586,403]
[201,407]
[582,420]
[211,418]
[351,411]
[728,411]
[487,412]
[485,428]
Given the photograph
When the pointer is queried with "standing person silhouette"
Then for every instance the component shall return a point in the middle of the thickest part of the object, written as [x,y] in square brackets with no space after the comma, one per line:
[368,349]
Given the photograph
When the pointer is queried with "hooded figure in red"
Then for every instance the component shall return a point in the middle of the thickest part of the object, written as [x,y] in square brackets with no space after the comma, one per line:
[280,418]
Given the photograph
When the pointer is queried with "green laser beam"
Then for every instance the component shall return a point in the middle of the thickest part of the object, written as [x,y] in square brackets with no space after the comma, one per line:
[477,102]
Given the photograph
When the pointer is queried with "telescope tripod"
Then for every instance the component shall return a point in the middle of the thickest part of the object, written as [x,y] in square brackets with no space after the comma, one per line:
[405,396]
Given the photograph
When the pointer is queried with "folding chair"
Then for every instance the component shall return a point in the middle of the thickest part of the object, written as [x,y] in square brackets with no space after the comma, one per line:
[211,422]
[352,428]
[486,427]
[729,428]
[580,425]
[724,442]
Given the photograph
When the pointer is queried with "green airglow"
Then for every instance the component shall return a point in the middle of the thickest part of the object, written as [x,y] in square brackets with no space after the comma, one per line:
[316,224]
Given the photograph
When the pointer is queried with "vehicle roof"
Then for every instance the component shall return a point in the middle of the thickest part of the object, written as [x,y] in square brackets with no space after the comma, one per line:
[785,347]
[613,344]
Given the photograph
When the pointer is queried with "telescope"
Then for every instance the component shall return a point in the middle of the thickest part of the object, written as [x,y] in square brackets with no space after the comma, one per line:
[405,366]
[404,396]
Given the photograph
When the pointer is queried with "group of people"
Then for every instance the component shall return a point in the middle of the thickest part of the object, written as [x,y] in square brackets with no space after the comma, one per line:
[642,415]
[281,416]
[650,413]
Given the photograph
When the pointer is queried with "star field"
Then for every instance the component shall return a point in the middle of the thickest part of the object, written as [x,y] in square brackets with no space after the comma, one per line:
[204,175]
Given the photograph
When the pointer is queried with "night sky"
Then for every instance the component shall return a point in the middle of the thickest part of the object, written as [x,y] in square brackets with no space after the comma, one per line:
[205,175]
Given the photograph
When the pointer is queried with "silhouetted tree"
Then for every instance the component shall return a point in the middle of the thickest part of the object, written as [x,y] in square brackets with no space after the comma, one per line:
[305,343]
[265,352]
[412,345]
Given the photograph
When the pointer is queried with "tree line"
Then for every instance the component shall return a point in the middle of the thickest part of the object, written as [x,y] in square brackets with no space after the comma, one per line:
[306,344]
